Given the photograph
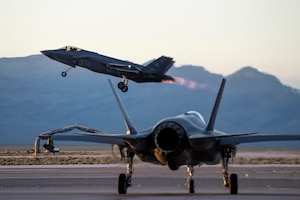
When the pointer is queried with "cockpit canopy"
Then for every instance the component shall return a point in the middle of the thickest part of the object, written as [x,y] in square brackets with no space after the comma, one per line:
[195,113]
[70,48]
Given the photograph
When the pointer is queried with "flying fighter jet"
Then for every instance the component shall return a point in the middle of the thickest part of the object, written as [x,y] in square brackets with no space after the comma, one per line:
[185,139]
[153,72]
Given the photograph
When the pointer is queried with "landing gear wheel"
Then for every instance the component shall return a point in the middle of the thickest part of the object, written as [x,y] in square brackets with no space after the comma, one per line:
[124,180]
[124,89]
[229,182]
[233,187]
[191,186]
[121,85]
[190,181]
[122,184]
[64,74]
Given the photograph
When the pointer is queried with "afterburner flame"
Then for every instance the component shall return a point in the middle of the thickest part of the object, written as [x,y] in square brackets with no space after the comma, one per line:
[187,83]
[168,81]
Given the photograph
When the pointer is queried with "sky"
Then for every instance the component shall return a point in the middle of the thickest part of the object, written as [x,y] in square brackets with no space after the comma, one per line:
[220,35]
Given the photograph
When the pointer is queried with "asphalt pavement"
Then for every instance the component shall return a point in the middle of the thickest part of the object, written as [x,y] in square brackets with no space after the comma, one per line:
[149,182]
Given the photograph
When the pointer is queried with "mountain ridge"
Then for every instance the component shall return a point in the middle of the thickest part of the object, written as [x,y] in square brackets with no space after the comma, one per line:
[35,98]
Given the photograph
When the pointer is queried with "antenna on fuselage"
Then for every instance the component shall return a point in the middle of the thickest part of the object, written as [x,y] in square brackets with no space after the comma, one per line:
[211,123]
[131,130]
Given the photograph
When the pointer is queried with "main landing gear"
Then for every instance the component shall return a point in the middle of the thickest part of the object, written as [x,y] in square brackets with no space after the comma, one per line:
[124,180]
[229,182]
[123,85]
[190,181]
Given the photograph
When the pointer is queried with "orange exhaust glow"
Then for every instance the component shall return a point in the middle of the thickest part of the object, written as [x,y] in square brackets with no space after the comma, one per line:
[187,83]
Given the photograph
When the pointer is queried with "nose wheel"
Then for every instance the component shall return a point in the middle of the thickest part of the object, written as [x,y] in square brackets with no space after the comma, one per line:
[65,73]
[123,85]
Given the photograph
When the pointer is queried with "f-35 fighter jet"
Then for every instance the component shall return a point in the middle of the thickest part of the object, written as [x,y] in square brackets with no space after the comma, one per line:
[184,139]
[153,72]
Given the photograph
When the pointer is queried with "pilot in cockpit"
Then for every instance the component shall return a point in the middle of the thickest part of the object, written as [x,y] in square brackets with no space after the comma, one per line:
[70,48]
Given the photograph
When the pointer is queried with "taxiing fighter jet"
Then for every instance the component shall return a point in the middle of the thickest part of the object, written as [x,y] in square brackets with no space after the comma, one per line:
[174,141]
[153,72]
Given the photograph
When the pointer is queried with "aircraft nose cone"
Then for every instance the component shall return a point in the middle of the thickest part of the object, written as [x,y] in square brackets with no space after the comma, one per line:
[50,54]
[46,52]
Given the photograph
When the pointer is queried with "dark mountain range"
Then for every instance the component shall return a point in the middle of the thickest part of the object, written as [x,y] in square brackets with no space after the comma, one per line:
[34,98]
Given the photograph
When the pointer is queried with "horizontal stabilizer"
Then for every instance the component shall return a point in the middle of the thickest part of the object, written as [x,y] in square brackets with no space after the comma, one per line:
[234,140]
[214,136]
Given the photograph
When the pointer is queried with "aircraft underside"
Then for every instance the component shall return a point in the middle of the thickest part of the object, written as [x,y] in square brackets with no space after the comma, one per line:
[126,76]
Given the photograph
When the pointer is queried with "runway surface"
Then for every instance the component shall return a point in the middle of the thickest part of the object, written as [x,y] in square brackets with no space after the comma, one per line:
[149,182]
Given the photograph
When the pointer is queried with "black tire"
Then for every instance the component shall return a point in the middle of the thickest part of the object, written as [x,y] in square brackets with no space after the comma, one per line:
[122,184]
[121,85]
[64,74]
[233,184]
[191,187]
[124,89]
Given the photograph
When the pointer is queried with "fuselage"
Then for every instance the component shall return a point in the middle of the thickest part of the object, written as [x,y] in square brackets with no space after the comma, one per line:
[169,143]
[95,62]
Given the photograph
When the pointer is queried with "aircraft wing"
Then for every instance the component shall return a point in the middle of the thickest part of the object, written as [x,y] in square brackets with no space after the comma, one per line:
[91,135]
[118,66]
[123,68]
[97,138]
[86,135]
[105,138]
[238,139]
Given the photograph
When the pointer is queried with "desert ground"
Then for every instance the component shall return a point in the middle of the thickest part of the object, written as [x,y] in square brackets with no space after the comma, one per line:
[23,155]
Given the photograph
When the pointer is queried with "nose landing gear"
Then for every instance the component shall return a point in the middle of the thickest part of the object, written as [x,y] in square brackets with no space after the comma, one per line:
[65,73]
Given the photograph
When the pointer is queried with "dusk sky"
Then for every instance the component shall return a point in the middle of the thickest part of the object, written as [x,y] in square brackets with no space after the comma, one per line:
[220,35]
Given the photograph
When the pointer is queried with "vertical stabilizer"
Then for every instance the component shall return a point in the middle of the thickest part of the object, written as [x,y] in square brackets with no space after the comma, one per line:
[159,66]
[211,123]
[131,130]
